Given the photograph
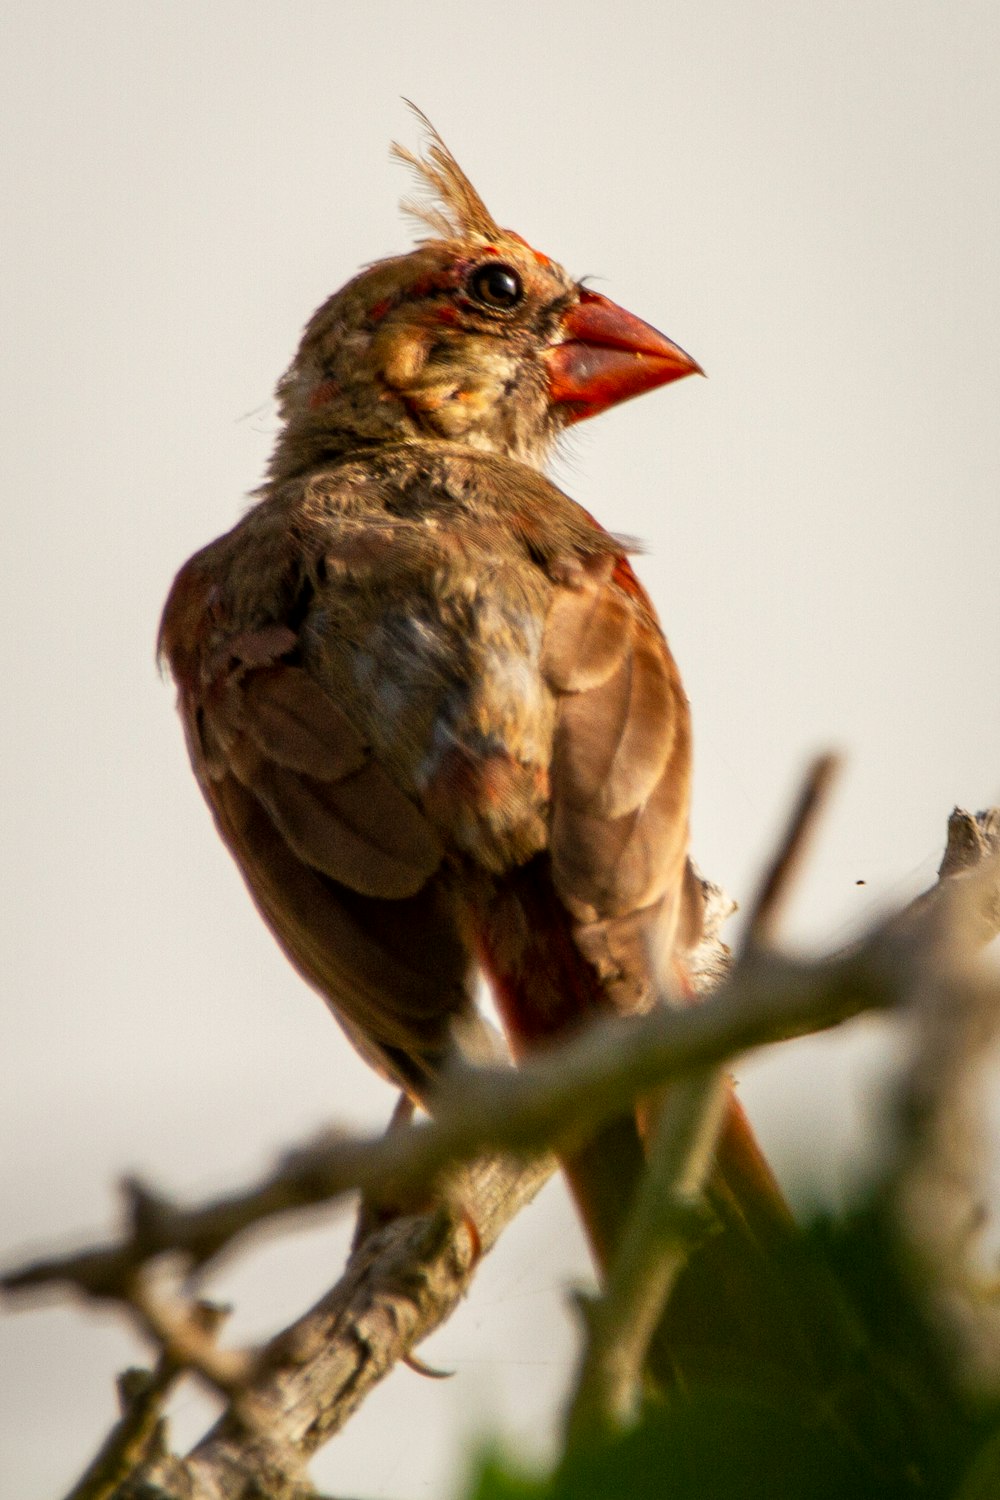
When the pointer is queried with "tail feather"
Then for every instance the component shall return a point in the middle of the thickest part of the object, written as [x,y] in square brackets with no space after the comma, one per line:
[603,1176]
[733,1303]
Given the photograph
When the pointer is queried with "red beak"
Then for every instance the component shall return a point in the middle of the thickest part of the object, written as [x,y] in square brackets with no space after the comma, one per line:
[607,355]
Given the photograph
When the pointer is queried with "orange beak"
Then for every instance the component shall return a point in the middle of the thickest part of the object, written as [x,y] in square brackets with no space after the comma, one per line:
[607,355]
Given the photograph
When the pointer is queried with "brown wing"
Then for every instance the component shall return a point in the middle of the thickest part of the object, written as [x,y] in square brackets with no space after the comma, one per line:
[343,866]
[620,794]
[620,781]
[592,922]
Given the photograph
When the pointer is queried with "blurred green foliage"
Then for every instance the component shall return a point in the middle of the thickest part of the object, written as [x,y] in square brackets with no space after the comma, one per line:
[891,1422]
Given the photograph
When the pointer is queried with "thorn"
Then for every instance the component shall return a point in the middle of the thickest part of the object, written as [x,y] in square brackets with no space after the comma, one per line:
[413,1362]
[475,1237]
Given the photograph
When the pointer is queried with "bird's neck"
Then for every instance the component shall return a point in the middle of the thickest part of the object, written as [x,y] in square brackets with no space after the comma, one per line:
[310,442]
[326,433]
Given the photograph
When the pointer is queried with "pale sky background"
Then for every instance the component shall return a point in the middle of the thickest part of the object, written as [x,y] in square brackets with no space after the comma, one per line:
[806,197]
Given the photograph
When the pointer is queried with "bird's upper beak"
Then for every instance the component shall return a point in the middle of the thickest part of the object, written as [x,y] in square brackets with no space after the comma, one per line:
[605,355]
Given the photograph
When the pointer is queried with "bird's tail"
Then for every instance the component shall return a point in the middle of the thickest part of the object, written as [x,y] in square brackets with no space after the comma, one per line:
[733,1305]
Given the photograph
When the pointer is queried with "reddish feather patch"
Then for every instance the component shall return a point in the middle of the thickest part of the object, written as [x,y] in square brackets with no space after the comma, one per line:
[465,783]
[377,312]
[542,260]
[543,985]
[626,580]
[622,572]
[324,392]
[434,281]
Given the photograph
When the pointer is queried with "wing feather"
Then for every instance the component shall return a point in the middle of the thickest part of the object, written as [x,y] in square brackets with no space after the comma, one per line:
[360,829]
[620,781]
[296,724]
[585,636]
[268,723]
[324,839]
[397,987]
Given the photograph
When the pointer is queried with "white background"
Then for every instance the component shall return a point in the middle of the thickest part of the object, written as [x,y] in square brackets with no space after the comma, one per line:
[806,197]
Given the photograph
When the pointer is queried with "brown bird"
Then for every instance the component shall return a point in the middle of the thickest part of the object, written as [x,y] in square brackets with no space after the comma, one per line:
[427,700]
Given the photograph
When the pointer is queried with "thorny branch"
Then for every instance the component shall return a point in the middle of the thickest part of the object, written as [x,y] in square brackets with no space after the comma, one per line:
[553,1099]
[400,1283]
[139,1436]
[940,1137]
[288,1398]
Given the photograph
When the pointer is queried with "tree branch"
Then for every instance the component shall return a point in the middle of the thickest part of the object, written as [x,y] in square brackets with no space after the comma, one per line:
[552,1100]
[406,1277]
[400,1283]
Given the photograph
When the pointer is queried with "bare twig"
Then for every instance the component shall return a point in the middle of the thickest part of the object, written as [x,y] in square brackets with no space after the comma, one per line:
[187,1340]
[779,876]
[668,1220]
[553,1099]
[138,1437]
[969,870]
[134,1437]
[972,839]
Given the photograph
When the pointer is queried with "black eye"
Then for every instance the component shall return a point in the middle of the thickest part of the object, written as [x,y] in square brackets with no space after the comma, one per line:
[496,285]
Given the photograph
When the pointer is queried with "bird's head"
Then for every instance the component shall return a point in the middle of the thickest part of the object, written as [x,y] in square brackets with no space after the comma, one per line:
[473,337]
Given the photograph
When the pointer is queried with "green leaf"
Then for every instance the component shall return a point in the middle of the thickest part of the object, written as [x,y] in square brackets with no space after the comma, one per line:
[719,1446]
[499,1479]
[982,1482]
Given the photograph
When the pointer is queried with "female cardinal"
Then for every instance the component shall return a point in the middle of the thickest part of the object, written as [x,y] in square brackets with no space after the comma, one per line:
[427,701]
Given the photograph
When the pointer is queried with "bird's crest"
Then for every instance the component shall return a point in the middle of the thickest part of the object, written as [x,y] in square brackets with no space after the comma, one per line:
[454,209]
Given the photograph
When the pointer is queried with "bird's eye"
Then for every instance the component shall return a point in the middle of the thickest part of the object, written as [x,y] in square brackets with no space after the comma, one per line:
[496,285]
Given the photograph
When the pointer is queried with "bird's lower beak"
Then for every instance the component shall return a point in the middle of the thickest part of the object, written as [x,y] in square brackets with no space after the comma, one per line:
[607,355]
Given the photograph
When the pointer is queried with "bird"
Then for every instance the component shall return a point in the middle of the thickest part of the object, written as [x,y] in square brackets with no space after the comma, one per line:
[430,705]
